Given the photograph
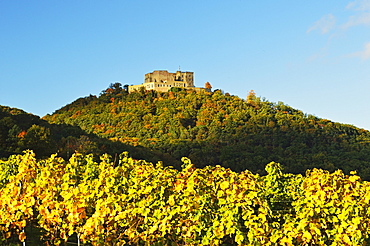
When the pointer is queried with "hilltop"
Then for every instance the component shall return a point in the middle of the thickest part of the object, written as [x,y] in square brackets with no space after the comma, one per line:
[213,128]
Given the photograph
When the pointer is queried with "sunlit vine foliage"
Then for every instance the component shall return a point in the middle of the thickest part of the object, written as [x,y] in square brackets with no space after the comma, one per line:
[132,202]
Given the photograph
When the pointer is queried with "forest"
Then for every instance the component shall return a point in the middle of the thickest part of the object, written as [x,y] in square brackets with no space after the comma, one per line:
[210,128]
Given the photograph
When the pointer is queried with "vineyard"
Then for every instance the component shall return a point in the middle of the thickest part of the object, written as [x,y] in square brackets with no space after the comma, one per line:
[122,201]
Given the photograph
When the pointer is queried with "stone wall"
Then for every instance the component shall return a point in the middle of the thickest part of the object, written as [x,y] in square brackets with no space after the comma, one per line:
[162,80]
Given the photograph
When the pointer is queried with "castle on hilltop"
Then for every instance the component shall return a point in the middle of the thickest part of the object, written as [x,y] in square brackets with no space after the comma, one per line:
[162,80]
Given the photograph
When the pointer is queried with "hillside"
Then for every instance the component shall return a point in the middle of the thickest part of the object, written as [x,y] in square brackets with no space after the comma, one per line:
[20,131]
[216,128]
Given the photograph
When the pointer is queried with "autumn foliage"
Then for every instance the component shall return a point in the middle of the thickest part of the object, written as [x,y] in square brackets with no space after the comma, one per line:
[134,202]
[212,128]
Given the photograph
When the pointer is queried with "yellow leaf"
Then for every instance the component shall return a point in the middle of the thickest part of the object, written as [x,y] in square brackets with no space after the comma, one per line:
[287,241]
[222,201]
[346,239]
[220,193]
[342,216]
[224,185]
[307,236]
[354,178]
[171,201]
[179,186]
[22,236]
[356,220]
[147,190]
[239,238]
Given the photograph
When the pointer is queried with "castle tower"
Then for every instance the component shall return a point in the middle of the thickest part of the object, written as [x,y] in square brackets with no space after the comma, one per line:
[187,77]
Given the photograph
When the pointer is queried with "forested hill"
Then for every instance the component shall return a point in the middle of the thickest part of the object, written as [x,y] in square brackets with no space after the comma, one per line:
[20,131]
[216,128]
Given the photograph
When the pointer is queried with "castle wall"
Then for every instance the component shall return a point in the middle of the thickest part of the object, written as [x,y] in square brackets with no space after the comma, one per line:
[164,76]
[162,80]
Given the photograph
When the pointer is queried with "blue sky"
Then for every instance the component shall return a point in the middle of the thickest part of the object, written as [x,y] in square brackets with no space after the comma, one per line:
[312,55]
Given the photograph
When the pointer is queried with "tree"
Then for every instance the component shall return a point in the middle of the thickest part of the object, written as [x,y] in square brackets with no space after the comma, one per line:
[38,139]
[252,99]
[208,86]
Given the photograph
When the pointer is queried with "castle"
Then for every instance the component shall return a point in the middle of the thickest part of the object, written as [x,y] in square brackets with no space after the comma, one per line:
[162,80]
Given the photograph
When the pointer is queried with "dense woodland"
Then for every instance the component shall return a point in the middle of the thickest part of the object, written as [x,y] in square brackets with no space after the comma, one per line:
[210,128]
[20,131]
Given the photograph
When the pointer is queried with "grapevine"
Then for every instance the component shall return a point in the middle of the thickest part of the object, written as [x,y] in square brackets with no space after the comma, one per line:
[134,202]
